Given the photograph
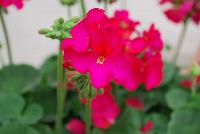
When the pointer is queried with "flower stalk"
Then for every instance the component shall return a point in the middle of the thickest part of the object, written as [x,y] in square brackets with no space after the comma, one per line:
[106,5]
[194,85]
[180,43]
[60,95]
[83,8]
[88,116]
[6,38]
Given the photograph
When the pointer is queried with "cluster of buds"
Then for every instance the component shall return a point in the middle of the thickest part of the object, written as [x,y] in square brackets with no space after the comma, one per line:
[83,84]
[68,2]
[109,1]
[60,29]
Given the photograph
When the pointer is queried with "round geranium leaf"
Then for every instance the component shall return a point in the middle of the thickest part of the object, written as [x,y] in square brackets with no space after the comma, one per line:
[169,71]
[185,121]
[16,128]
[177,98]
[32,114]
[44,129]
[18,79]
[48,71]
[10,107]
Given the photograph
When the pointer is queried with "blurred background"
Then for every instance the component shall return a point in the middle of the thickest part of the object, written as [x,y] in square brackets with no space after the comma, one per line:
[30,47]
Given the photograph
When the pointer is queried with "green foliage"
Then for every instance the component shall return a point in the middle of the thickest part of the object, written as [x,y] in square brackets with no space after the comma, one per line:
[18,79]
[32,114]
[128,123]
[10,107]
[169,73]
[16,128]
[184,121]
[177,98]
[48,71]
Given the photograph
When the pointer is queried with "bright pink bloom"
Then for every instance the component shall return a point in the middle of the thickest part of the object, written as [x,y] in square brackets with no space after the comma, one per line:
[95,48]
[101,47]
[135,103]
[123,24]
[182,10]
[188,83]
[104,110]
[179,14]
[147,127]
[150,45]
[7,3]
[76,126]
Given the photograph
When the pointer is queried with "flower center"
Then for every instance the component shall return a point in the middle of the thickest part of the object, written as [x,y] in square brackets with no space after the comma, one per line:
[123,25]
[100,60]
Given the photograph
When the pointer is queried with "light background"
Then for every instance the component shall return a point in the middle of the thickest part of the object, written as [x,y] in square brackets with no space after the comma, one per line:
[30,47]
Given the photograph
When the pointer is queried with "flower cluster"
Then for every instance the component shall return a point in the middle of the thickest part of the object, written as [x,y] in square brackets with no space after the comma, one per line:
[111,49]
[182,10]
[7,3]
[110,1]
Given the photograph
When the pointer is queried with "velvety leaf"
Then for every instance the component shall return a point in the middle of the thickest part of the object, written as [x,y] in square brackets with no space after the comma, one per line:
[128,123]
[16,128]
[169,73]
[48,71]
[159,123]
[185,121]
[18,79]
[44,129]
[46,98]
[10,106]
[32,114]
[177,98]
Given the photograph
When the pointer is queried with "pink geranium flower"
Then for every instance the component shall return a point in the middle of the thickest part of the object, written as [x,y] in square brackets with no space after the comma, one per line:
[135,103]
[7,3]
[76,126]
[104,110]
[149,47]
[147,127]
[181,11]
[103,50]
[123,24]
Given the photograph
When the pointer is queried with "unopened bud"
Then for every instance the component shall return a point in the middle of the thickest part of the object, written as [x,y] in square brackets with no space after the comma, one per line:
[195,70]
[44,31]
[93,93]
[101,91]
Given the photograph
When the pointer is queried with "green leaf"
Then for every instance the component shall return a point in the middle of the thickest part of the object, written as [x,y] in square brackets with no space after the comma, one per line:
[169,73]
[32,114]
[10,106]
[46,98]
[185,121]
[16,128]
[128,123]
[159,123]
[48,71]
[18,79]
[177,98]
[44,129]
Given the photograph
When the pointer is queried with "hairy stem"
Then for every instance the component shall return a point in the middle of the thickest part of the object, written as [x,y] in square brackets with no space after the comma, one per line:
[6,38]
[180,43]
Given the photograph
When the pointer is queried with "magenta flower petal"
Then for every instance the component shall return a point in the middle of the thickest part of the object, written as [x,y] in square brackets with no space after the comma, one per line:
[76,126]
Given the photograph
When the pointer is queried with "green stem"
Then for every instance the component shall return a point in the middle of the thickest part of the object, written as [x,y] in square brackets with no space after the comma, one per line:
[69,13]
[88,116]
[59,112]
[6,38]
[83,8]
[194,84]
[180,43]
[106,5]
